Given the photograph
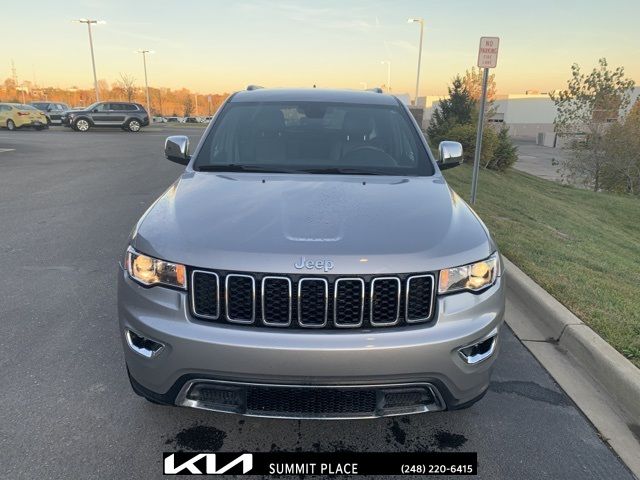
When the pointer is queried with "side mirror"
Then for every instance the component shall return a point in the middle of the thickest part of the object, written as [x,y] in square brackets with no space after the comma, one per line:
[95,110]
[176,149]
[450,154]
[49,108]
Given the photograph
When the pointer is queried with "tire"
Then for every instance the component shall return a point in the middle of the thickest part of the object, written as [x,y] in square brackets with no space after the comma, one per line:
[81,125]
[39,129]
[11,125]
[134,125]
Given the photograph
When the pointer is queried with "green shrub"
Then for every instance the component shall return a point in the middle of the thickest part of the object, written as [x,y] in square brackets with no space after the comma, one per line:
[466,135]
[505,153]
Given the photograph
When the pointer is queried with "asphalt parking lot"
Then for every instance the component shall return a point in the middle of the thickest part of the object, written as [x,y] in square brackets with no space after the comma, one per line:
[67,203]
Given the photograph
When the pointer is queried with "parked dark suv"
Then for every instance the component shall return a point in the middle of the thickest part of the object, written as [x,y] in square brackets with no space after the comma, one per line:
[53,111]
[128,116]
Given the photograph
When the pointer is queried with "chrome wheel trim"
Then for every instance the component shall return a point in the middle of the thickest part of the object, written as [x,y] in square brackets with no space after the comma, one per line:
[82,125]
[11,125]
[134,126]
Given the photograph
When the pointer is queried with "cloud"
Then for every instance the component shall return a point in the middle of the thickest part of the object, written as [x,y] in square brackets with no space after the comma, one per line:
[320,17]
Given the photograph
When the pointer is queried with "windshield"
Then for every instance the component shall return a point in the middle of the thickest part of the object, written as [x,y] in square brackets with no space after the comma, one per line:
[314,137]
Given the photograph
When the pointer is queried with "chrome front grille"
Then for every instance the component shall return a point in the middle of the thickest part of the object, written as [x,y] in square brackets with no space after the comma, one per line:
[297,301]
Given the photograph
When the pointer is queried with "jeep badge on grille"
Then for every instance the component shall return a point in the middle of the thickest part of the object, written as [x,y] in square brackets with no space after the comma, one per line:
[325,265]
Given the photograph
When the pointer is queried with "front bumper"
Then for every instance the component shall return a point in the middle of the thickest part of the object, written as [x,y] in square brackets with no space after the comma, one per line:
[385,357]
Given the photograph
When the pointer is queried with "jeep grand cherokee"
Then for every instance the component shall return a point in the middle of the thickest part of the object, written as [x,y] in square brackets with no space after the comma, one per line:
[311,262]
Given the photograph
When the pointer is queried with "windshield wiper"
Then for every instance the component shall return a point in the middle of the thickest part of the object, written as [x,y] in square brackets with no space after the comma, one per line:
[234,167]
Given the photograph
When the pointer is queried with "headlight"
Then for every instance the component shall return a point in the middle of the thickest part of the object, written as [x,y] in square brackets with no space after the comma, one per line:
[151,271]
[474,276]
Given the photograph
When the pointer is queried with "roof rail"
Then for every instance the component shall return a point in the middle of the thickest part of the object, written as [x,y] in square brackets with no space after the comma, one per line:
[375,90]
[254,87]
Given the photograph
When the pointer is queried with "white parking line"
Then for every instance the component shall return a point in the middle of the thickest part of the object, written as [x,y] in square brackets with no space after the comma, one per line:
[2,150]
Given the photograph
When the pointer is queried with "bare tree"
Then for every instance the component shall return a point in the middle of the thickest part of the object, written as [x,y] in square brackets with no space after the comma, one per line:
[188,106]
[126,85]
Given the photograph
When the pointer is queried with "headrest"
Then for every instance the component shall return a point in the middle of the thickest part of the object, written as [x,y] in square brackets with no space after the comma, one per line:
[357,125]
[269,119]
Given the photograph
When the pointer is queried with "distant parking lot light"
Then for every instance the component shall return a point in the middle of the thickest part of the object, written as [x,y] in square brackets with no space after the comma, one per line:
[146,83]
[421,22]
[89,22]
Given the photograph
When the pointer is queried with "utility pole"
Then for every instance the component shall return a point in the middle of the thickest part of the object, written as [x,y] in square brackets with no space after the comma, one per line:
[146,83]
[93,60]
[421,22]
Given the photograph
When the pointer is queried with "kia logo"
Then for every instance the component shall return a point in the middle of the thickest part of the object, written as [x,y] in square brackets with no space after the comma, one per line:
[204,464]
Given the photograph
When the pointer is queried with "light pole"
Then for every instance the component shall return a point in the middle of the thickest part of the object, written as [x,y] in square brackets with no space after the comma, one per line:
[146,83]
[421,22]
[93,60]
[388,62]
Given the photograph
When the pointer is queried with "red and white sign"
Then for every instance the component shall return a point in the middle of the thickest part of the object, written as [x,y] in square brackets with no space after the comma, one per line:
[488,52]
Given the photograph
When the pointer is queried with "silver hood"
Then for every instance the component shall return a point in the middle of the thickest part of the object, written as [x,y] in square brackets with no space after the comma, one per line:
[267,222]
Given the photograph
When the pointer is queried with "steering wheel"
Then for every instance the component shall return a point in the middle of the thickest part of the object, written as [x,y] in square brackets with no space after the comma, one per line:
[369,155]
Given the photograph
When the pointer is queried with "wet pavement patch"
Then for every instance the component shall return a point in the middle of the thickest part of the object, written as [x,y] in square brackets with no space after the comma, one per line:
[443,439]
[532,391]
[398,432]
[199,438]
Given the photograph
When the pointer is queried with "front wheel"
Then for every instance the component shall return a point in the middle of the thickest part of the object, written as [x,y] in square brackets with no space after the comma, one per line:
[133,125]
[82,125]
[11,125]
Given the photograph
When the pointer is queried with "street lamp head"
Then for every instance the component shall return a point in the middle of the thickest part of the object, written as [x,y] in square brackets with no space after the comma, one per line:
[415,20]
[87,21]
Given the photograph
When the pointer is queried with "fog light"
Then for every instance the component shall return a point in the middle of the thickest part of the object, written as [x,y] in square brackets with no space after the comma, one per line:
[141,345]
[479,351]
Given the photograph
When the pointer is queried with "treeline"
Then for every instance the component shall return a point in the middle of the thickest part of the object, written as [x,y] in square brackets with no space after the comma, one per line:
[164,101]
[601,129]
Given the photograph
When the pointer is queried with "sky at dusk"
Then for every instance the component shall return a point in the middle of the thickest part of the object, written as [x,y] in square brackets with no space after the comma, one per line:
[216,46]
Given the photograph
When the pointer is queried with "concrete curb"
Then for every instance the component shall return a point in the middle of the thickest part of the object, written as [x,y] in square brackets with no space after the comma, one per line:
[617,375]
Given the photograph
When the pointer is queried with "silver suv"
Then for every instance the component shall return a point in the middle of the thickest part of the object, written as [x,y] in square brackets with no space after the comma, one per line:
[311,262]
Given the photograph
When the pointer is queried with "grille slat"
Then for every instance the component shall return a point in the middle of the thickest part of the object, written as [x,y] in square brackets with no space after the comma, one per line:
[297,301]
[348,302]
[276,301]
[420,296]
[312,302]
[205,296]
[240,291]
[385,301]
